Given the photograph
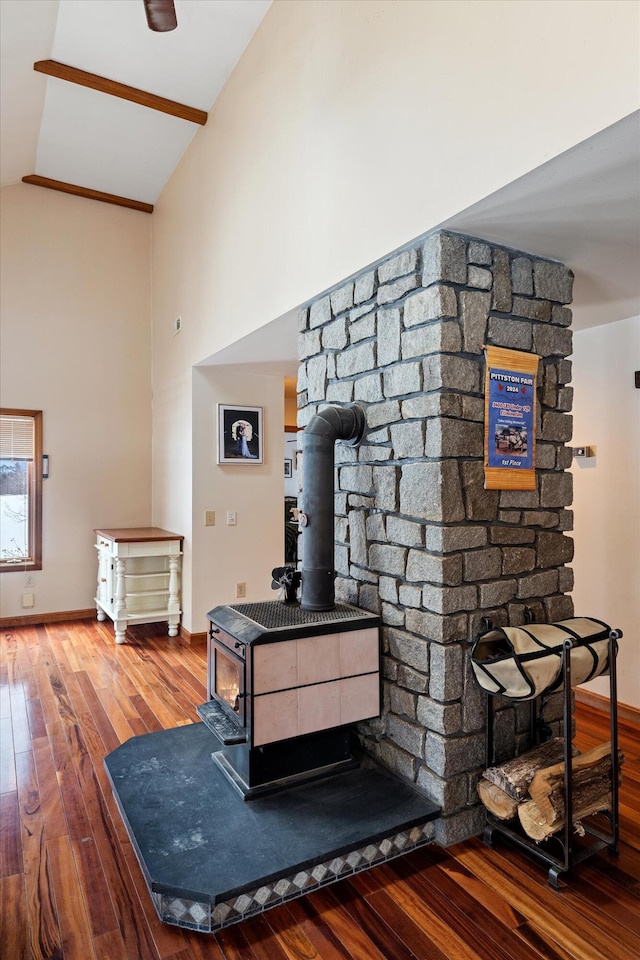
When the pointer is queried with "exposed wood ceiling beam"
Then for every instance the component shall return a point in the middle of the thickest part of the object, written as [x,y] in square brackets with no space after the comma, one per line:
[77,191]
[63,72]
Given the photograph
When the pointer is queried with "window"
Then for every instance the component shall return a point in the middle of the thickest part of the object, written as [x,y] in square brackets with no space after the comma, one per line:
[20,489]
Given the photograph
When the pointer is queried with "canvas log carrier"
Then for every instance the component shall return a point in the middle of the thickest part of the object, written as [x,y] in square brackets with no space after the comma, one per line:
[523,662]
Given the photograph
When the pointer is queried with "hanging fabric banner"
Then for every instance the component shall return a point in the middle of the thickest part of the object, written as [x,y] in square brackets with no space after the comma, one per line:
[510,419]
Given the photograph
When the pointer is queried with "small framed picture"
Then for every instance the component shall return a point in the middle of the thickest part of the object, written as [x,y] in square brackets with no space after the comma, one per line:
[288,468]
[240,438]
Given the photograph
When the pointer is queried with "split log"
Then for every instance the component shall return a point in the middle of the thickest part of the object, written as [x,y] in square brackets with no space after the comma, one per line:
[590,774]
[538,828]
[544,815]
[515,775]
[497,801]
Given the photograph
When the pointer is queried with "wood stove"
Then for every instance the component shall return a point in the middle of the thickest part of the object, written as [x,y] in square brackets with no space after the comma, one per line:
[285,687]
[286,679]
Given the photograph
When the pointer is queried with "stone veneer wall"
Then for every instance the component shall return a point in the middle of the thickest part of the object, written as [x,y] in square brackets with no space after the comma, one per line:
[418,538]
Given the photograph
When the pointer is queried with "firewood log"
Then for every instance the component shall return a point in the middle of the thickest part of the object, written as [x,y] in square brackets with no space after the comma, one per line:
[515,775]
[538,828]
[544,815]
[591,773]
[497,801]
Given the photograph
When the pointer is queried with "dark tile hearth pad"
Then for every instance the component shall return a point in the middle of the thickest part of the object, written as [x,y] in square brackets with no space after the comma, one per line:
[211,858]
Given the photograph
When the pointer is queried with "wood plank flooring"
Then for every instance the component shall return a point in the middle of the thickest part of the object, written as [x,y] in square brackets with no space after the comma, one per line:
[71,888]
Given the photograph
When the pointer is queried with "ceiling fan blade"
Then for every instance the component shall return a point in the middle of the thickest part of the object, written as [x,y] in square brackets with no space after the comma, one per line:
[161,15]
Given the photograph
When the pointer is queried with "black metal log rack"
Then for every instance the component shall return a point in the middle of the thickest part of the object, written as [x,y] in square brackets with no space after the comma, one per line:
[560,852]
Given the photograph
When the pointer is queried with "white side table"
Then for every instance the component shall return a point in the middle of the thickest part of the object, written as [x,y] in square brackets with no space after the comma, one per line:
[138,577]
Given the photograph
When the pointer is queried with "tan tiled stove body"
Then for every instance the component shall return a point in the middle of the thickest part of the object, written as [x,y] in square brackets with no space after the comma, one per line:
[314,683]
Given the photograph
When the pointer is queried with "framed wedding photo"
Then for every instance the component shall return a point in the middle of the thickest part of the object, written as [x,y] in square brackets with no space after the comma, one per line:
[239,434]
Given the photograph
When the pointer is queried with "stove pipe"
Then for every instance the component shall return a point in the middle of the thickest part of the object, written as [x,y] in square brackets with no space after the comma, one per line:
[332,423]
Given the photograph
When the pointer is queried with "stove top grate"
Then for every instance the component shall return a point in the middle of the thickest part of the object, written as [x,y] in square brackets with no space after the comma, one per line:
[273,615]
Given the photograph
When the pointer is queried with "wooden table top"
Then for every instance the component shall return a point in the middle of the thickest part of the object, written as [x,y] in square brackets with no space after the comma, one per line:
[136,534]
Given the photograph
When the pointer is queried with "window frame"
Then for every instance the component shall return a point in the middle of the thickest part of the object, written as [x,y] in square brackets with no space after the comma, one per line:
[34,562]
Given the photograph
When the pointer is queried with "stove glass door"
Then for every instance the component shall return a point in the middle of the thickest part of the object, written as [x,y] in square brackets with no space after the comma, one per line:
[229,683]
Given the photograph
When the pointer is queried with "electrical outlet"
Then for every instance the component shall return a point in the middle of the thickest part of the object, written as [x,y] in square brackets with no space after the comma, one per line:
[232,518]
[29,580]
[28,600]
[209,518]
[177,325]
[241,589]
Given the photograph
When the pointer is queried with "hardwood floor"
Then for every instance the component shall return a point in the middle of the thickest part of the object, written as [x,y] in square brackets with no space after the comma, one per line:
[71,888]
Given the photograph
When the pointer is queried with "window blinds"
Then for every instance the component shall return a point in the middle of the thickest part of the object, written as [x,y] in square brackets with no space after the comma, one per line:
[17,437]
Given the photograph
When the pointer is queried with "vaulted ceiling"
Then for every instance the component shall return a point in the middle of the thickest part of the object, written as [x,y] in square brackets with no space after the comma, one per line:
[582,207]
[69,130]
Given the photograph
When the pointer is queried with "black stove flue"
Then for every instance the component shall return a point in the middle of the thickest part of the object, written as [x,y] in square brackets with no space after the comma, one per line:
[331,423]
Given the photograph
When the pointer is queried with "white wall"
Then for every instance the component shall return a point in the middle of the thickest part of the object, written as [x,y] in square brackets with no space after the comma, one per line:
[172,467]
[75,341]
[346,130]
[223,555]
[606,500]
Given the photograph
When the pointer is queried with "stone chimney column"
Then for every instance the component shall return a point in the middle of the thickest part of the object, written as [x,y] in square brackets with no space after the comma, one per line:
[418,538]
